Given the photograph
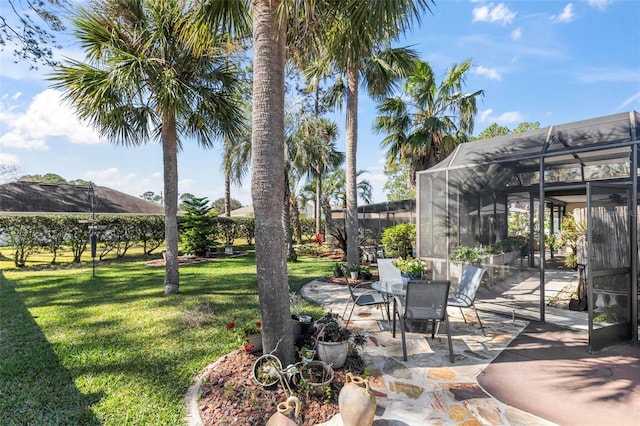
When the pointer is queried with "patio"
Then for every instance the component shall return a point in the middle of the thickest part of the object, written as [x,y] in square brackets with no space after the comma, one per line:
[429,389]
[535,366]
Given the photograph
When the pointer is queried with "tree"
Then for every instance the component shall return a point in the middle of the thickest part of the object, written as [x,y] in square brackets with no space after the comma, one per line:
[267,189]
[33,42]
[47,178]
[321,155]
[152,196]
[218,205]
[197,225]
[154,72]
[358,46]
[526,126]
[426,122]
[398,185]
[496,130]
[8,173]
[492,131]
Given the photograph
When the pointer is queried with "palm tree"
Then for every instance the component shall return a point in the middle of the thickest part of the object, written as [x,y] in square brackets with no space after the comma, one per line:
[236,158]
[143,81]
[367,59]
[267,189]
[426,122]
[321,156]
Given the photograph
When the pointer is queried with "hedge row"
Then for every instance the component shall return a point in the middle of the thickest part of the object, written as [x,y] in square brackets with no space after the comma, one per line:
[115,234]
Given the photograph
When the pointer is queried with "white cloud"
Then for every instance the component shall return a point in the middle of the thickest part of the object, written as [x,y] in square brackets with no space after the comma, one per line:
[111,177]
[567,14]
[490,73]
[599,4]
[15,140]
[490,13]
[487,116]
[516,34]
[45,118]
[186,185]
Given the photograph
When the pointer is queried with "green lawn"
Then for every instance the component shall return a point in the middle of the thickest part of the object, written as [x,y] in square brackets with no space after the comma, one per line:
[113,349]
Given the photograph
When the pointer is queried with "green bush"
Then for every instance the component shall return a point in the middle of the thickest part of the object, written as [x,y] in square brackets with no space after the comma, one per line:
[399,240]
[469,254]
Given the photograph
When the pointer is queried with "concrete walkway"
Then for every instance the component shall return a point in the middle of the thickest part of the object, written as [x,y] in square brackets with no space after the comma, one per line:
[428,388]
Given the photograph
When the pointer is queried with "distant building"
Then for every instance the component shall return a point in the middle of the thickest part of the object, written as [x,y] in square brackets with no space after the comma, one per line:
[34,198]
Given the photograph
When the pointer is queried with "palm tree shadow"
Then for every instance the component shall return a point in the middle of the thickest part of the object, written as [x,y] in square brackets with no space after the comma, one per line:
[36,387]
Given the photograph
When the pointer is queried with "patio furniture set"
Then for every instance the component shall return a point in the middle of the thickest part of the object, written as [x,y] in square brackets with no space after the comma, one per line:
[416,301]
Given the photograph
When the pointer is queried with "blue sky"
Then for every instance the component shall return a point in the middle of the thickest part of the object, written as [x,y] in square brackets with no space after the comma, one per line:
[548,61]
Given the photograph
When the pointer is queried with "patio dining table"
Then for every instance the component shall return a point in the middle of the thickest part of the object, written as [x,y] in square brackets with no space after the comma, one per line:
[391,289]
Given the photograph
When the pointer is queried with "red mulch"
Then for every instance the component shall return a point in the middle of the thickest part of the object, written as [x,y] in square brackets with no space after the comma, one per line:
[230,396]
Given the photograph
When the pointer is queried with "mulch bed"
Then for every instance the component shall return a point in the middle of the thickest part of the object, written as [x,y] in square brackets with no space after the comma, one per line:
[230,396]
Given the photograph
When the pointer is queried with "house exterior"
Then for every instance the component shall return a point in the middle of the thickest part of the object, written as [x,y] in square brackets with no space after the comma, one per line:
[35,198]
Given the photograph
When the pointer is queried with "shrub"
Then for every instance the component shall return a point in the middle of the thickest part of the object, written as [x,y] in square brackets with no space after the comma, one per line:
[399,240]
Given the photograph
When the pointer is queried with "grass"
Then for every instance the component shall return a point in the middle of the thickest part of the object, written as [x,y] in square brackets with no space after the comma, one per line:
[113,349]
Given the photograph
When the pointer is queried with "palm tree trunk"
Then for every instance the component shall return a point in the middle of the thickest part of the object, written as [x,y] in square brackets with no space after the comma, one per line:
[318,206]
[170,165]
[295,217]
[227,192]
[351,132]
[286,220]
[267,190]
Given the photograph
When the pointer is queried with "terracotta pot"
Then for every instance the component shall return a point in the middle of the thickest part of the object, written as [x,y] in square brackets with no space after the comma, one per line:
[333,353]
[356,401]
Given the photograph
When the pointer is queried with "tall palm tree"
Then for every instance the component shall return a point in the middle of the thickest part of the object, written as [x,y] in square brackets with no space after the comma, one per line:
[267,189]
[143,81]
[367,59]
[236,159]
[428,120]
[321,155]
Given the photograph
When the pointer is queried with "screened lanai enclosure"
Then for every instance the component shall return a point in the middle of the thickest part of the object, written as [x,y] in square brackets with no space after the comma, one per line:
[495,192]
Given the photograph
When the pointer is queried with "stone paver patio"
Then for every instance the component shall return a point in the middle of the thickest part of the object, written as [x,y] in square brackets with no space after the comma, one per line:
[428,388]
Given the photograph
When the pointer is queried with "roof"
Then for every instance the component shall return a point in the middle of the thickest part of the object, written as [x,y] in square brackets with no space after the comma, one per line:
[242,212]
[559,143]
[45,198]
[579,150]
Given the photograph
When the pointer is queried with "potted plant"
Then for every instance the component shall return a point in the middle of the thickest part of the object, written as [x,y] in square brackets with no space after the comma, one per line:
[333,339]
[411,268]
[307,354]
[249,334]
[365,273]
[337,270]
[354,271]
[300,324]
[572,232]
[316,377]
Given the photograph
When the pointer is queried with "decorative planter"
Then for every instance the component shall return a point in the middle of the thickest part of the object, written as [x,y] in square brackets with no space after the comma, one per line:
[356,401]
[288,413]
[307,354]
[407,277]
[318,374]
[354,275]
[333,353]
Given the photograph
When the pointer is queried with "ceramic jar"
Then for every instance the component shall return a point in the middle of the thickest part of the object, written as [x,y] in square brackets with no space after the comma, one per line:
[288,413]
[357,402]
